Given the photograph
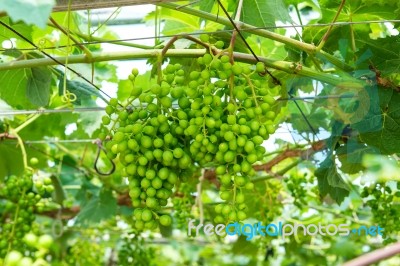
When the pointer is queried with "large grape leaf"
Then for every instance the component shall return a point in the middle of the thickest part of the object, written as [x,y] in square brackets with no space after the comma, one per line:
[385,126]
[35,12]
[384,53]
[264,13]
[353,11]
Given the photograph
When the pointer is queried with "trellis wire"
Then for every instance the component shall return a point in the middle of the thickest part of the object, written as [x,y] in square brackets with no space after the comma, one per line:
[92,141]
[100,109]
[213,32]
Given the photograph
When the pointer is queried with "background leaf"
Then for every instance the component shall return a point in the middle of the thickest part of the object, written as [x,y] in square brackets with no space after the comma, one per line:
[38,87]
[13,85]
[98,208]
[264,13]
[34,12]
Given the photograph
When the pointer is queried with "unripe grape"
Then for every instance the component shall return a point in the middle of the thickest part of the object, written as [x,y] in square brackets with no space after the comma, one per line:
[147,215]
[219,44]
[135,72]
[204,37]
[113,102]
[260,67]
[33,161]
[225,195]
[45,241]
[165,220]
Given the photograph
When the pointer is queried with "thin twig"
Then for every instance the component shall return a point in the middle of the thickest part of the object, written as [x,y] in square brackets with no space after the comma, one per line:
[325,37]
[375,256]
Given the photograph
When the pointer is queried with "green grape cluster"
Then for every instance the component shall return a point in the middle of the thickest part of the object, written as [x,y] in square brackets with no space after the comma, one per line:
[183,203]
[134,251]
[35,250]
[77,252]
[39,244]
[17,211]
[154,159]
[381,198]
[216,116]
[298,189]
[227,115]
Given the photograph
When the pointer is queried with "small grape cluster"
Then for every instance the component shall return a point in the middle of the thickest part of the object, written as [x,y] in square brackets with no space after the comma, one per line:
[40,244]
[297,188]
[23,197]
[134,251]
[183,203]
[17,211]
[380,198]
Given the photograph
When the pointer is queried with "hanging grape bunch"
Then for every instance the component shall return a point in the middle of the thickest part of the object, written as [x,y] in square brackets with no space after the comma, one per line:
[17,213]
[214,117]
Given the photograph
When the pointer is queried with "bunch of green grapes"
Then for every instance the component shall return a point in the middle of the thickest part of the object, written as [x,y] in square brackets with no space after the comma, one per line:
[382,199]
[39,247]
[17,211]
[216,116]
[78,254]
[133,251]
[183,204]
[154,158]
[227,115]
[297,186]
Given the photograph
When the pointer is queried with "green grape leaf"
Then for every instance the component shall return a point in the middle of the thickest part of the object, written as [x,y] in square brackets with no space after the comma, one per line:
[38,87]
[10,160]
[382,130]
[330,182]
[124,89]
[98,208]
[351,156]
[244,247]
[59,193]
[35,12]
[82,90]
[264,13]
[206,5]
[316,116]
[13,84]
[353,11]
[177,23]
[383,52]
[20,27]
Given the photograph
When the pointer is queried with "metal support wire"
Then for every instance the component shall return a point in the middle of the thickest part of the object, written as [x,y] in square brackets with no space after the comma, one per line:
[117,42]
[51,111]
[100,109]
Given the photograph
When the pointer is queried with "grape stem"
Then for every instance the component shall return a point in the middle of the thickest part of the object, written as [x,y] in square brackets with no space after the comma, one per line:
[326,35]
[306,47]
[22,147]
[199,201]
[14,225]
